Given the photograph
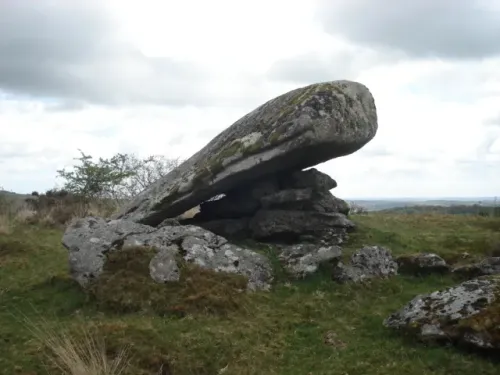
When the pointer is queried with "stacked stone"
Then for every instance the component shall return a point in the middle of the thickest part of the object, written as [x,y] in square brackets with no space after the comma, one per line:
[288,208]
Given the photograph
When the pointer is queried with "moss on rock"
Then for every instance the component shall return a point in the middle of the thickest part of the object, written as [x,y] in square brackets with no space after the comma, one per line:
[125,286]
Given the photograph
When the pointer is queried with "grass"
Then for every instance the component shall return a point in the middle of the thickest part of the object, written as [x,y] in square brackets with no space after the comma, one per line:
[313,326]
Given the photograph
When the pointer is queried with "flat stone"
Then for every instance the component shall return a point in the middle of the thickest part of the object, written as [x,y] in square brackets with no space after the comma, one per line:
[296,130]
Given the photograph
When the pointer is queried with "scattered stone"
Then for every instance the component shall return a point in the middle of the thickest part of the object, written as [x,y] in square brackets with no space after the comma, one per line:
[488,266]
[89,240]
[421,264]
[296,130]
[302,260]
[366,263]
[468,313]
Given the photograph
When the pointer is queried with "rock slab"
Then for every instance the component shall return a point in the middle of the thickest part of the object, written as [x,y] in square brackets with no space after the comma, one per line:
[367,263]
[302,260]
[468,313]
[88,240]
[291,208]
[421,264]
[488,266]
[296,130]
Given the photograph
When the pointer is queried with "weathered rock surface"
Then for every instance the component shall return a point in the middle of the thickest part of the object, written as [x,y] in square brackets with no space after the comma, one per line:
[89,239]
[420,264]
[488,266]
[289,226]
[296,130]
[468,313]
[282,208]
[302,260]
[366,263]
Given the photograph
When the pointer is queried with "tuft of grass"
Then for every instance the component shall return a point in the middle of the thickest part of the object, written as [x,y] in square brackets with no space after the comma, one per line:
[125,286]
[5,224]
[71,354]
[455,238]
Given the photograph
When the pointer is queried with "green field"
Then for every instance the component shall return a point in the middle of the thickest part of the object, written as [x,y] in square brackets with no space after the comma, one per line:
[313,326]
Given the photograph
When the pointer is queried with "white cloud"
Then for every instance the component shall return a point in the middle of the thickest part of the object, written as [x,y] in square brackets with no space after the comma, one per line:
[173,75]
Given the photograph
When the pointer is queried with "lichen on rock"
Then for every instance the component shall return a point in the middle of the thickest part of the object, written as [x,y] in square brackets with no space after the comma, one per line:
[366,263]
[468,313]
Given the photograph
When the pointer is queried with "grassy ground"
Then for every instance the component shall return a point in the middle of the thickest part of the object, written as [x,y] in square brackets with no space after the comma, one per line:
[305,327]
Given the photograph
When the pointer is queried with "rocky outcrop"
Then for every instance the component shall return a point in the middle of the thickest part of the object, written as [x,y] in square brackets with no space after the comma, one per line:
[89,240]
[421,264]
[292,208]
[367,263]
[488,266]
[296,130]
[468,313]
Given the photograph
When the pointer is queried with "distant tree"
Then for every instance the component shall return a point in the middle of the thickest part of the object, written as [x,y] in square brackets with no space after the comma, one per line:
[120,177]
[140,173]
[356,209]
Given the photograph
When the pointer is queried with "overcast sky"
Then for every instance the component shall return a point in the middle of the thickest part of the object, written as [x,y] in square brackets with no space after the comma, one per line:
[165,77]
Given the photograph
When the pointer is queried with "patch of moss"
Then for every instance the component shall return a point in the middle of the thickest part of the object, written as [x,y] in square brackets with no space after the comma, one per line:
[275,136]
[125,286]
[233,148]
[202,177]
[174,194]
[254,147]
[295,101]
[9,246]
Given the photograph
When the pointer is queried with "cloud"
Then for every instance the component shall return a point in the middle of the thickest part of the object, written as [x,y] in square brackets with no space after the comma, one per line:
[73,51]
[493,121]
[155,77]
[338,61]
[460,29]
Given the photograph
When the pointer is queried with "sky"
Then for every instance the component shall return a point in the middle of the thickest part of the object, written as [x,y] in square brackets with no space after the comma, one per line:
[165,77]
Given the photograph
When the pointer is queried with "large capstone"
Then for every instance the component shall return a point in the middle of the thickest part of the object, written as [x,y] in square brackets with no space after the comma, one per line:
[294,131]
[90,240]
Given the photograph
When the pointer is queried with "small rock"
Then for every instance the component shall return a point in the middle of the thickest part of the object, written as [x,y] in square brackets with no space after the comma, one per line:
[468,313]
[488,266]
[163,267]
[366,263]
[423,263]
[331,339]
[304,259]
